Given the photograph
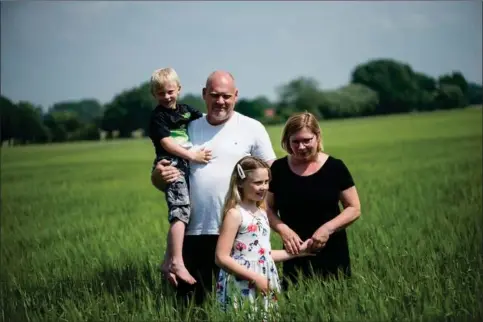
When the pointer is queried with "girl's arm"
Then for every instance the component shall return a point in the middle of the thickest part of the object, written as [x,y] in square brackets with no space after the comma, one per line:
[290,238]
[283,255]
[228,231]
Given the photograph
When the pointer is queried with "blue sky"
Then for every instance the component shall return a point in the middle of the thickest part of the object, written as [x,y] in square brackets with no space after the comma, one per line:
[57,51]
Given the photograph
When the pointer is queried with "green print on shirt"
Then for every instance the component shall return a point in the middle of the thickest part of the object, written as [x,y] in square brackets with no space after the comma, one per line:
[180,135]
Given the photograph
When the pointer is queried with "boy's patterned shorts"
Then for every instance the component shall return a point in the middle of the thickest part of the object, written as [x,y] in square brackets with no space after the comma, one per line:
[177,193]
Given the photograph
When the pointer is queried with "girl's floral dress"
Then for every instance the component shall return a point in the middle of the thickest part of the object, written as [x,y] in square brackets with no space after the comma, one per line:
[251,249]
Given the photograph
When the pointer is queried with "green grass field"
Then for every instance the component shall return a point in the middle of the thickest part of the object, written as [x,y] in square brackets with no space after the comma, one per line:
[83,230]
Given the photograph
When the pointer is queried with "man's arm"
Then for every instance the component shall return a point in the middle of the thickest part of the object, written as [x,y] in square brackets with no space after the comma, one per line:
[262,146]
[163,174]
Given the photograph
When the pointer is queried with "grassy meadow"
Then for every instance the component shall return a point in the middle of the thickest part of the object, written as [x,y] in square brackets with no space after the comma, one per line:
[83,230]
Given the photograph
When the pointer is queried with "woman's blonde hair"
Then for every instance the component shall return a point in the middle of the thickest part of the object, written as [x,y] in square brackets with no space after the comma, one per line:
[162,76]
[298,122]
[238,176]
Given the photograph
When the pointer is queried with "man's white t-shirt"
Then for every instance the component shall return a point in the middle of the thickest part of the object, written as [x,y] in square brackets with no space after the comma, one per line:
[238,137]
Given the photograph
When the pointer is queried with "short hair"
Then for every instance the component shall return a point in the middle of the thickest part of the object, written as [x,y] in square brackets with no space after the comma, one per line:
[298,122]
[162,76]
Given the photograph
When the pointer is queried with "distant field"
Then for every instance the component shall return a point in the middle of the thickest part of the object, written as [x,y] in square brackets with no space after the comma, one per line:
[83,230]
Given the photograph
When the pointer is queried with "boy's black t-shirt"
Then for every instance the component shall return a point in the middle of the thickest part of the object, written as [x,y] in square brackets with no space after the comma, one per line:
[167,122]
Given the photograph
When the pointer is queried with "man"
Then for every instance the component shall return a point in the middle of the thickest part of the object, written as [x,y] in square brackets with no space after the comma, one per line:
[229,136]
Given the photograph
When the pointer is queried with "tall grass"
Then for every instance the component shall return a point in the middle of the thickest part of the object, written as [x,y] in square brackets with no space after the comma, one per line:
[83,230]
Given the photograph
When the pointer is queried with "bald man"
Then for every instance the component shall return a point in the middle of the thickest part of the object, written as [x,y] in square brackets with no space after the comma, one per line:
[230,136]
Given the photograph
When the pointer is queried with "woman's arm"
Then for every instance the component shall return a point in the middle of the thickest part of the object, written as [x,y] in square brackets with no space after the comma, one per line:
[290,238]
[352,211]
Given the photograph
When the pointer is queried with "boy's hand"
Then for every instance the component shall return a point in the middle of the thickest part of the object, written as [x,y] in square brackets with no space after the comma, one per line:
[201,156]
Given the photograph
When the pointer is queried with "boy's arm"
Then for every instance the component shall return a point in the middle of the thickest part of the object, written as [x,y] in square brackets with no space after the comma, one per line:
[170,145]
[161,130]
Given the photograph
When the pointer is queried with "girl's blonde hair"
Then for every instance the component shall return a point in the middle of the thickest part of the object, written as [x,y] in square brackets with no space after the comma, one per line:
[298,122]
[235,191]
[162,76]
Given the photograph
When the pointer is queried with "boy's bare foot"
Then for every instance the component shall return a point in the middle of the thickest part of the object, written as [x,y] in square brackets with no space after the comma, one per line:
[180,271]
[164,267]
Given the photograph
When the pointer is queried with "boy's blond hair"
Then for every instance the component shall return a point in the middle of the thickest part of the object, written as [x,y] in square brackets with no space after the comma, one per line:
[162,76]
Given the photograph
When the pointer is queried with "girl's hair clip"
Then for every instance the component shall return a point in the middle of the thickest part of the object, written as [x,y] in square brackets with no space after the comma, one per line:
[241,173]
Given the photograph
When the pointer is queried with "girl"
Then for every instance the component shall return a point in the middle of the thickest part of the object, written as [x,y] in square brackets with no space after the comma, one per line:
[243,251]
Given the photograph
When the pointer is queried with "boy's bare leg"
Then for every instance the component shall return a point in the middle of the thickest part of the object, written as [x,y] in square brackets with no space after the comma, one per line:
[175,248]
[166,264]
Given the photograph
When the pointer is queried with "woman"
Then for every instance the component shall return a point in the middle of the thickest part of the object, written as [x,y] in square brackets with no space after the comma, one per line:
[306,188]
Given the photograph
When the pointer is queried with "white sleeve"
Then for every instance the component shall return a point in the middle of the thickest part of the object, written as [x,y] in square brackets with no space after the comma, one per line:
[262,146]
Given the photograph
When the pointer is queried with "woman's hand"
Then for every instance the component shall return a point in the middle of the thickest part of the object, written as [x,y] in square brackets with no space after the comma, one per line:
[291,240]
[320,238]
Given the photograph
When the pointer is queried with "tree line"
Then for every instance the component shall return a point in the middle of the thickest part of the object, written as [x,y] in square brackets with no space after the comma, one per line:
[377,87]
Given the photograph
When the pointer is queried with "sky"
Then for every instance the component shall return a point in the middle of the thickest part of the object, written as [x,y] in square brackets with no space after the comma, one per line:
[54,51]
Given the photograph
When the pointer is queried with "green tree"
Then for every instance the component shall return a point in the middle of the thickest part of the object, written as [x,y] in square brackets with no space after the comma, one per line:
[349,101]
[8,118]
[195,101]
[29,125]
[449,96]
[301,94]
[87,110]
[254,108]
[129,111]
[395,82]
[475,94]
[456,79]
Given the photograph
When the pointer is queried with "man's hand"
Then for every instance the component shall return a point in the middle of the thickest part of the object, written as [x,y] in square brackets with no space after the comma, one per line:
[320,238]
[291,240]
[202,156]
[167,172]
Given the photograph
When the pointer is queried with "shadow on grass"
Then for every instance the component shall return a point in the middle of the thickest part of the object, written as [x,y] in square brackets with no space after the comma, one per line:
[131,285]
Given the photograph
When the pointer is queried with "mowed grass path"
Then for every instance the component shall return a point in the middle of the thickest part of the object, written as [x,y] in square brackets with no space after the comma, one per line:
[83,230]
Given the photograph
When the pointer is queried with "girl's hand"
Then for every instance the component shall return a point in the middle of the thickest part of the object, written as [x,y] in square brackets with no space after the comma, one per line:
[261,282]
[305,248]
